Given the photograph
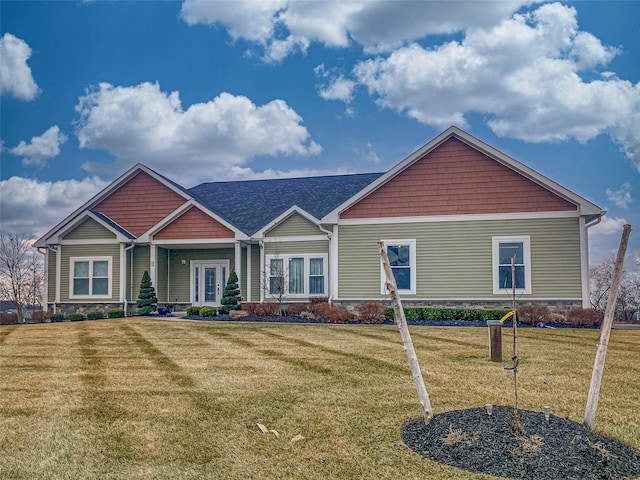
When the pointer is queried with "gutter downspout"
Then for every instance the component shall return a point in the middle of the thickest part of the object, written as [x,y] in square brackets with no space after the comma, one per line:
[584,247]
[329,267]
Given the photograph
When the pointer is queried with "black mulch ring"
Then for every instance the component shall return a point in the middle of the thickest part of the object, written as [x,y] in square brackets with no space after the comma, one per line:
[558,449]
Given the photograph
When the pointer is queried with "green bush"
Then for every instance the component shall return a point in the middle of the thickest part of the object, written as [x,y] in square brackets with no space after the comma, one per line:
[115,314]
[231,296]
[95,315]
[57,317]
[76,317]
[147,299]
[193,311]
[464,314]
[208,312]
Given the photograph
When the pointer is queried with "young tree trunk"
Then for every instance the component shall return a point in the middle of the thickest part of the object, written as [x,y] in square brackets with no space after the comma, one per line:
[605,330]
[401,321]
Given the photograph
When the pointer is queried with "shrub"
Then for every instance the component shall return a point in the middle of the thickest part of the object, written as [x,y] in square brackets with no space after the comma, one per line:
[464,314]
[76,317]
[249,307]
[95,315]
[40,316]
[147,299]
[206,312]
[533,314]
[231,296]
[115,314]
[296,309]
[372,312]
[268,309]
[57,317]
[333,313]
[8,318]
[584,317]
[557,318]
[193,311]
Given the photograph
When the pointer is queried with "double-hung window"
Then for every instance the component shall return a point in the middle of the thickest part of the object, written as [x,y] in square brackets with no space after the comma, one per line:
[297,275]
[91,277]
[511,264]
[402,258]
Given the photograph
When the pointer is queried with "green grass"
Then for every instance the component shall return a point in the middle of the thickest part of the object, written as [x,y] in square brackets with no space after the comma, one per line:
[143,398]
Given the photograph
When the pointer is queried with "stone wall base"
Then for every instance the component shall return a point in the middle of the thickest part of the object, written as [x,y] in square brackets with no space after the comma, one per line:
[555,306]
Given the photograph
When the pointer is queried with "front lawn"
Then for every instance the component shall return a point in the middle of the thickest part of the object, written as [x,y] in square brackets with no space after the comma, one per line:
[149,398]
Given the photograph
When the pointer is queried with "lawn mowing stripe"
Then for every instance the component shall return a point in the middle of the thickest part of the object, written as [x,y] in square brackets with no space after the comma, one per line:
[200,399]
[99,406]
[296,362]
[5,331]
[361,360]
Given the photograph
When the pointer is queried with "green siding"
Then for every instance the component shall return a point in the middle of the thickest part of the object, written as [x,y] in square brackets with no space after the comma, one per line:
[161,274]
[295,225]
[110,250]
[51,272]
[141,255]
[289,248]
[89,230]
[454,258]
[181,274]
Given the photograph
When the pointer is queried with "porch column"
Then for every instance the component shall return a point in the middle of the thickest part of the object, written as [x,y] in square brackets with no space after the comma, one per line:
[262,272]
[123,273]
[238,261]
[333,264]
[58,250]
[153,261]
[248,292]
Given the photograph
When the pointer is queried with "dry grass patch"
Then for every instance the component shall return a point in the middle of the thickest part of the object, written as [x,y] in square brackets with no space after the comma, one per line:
[145,398]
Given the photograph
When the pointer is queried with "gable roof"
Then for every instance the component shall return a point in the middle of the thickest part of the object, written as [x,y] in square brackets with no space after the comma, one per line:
[253,204]
[585,208]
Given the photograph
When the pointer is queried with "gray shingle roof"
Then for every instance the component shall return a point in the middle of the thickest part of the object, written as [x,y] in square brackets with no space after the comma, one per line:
[252,204]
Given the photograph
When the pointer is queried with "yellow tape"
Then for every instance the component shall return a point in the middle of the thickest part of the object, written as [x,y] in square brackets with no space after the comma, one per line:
[506,317]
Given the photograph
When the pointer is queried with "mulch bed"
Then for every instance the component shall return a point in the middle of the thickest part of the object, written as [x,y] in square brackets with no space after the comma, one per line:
[558,449]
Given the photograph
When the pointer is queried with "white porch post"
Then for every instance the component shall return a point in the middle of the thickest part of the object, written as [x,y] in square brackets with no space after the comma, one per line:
[262,272]
[238,261]
[58,251]
[248,292]
[153,261]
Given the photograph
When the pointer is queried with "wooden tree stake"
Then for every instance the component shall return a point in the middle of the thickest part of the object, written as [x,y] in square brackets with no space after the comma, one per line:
[605,330]
[401,321]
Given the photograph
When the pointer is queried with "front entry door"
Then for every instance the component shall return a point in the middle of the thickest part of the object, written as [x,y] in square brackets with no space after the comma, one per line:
[208,279]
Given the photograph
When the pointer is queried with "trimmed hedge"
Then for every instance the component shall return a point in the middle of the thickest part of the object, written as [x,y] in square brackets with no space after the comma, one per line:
[193,311]
[115,314]
[57,317]
[464,314]
[76,317]
[95,315]
[208,312]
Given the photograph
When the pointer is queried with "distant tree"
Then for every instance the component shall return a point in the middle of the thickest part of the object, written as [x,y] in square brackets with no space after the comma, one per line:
[147,299]
[231,296]
[21,272]
[600,277]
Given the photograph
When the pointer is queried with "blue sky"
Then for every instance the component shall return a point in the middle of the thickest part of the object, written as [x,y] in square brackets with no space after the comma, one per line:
[204,91]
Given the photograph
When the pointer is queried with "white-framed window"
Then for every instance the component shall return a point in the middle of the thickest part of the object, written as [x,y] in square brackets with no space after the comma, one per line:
[505,248]
[90,277]
[297,275]
[402,258]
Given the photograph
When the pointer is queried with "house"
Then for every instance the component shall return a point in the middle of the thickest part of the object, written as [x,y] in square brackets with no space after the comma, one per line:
[452,215]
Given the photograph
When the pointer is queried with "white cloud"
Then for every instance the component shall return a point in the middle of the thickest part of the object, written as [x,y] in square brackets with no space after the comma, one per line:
[40,148]
[609,226]
[339,88]
[369,154]
[622,196]
[143,124]
[283,27]
[15,75]
[32,207]
[523,73]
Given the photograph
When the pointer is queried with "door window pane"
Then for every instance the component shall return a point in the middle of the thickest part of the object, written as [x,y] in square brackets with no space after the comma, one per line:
[210,284]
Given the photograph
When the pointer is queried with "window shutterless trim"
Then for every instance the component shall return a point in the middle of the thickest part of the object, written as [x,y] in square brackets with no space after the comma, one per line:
[91,260]
[307,260]
[526,257]
[411,243]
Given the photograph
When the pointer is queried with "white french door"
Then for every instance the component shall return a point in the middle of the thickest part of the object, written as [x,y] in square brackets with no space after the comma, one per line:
[208,278]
